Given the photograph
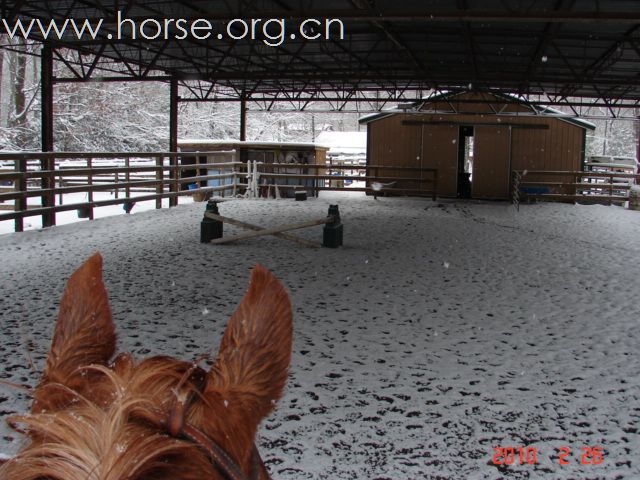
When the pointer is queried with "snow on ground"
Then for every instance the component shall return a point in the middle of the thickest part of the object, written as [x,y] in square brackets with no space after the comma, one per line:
[439,331]
[71,216]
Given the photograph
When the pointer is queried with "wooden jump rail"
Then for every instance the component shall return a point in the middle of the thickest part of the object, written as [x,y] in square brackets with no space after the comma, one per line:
[212,226]
[585,186]
[249,226]
[271,231]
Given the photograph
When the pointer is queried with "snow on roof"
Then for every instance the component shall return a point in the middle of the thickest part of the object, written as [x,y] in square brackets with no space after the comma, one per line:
[560,115]
[343,142]
[378,115]
[209,143]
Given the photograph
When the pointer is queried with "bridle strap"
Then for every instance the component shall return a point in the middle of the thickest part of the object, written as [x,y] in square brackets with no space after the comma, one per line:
[220,458]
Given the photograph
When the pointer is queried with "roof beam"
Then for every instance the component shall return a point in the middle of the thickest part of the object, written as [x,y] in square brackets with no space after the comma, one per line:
[605,60]
[550,30]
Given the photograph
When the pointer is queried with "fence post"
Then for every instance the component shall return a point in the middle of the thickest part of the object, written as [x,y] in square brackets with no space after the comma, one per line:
[174,172]
[60,185]
[160,180]
[21,204]
[90,193]
[610,189]
[48,183]
[127,177]
[235,177]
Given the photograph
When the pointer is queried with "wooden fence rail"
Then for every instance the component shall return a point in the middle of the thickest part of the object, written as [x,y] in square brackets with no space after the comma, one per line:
[572,186]
[131,177]
[424,177]
[135,177]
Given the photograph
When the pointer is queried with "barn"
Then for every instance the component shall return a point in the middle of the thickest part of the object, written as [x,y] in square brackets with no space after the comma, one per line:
[475,140]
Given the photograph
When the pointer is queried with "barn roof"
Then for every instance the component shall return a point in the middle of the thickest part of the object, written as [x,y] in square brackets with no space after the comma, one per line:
[561,48]
[466,97]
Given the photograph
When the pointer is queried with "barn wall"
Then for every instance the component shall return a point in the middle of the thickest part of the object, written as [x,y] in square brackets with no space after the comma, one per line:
[395,145]
[559,148]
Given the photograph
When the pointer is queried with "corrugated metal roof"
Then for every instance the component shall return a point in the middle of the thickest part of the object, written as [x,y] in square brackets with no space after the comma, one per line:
[561,48]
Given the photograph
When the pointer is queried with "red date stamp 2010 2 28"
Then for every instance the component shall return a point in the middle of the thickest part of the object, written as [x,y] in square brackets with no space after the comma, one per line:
[530,455]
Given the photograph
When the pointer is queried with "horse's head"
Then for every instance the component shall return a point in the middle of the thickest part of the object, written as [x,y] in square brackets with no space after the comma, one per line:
[103,418]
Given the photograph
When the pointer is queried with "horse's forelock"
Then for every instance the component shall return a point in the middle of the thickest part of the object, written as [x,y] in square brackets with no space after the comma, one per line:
[110,440]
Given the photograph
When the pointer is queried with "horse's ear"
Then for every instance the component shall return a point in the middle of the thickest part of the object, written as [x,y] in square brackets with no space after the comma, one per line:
[84,333]
[253,362]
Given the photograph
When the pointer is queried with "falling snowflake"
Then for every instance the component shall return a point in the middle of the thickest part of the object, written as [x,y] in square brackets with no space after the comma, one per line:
[205,311]
[446,264]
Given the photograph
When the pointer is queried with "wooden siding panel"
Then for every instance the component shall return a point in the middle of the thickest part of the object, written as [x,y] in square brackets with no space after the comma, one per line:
[440,150]
[491,162]
[395,145]
[528,149]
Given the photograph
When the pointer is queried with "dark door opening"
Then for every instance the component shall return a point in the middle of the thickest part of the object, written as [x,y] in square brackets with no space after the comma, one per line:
[465,161]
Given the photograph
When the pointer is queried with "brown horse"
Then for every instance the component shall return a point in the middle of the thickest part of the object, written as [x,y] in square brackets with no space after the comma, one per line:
[95,417]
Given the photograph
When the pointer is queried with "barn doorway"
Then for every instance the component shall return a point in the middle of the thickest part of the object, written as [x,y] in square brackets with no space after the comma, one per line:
[465,161]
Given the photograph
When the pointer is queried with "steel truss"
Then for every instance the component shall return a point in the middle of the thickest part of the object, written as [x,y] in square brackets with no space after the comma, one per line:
[555,53]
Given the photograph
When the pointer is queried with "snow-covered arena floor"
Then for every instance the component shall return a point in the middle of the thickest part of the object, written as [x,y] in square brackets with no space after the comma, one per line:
[440,331]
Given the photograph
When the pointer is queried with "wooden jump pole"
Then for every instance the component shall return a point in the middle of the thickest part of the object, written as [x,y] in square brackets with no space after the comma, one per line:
[257,228]
[275,230]
[212,226]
